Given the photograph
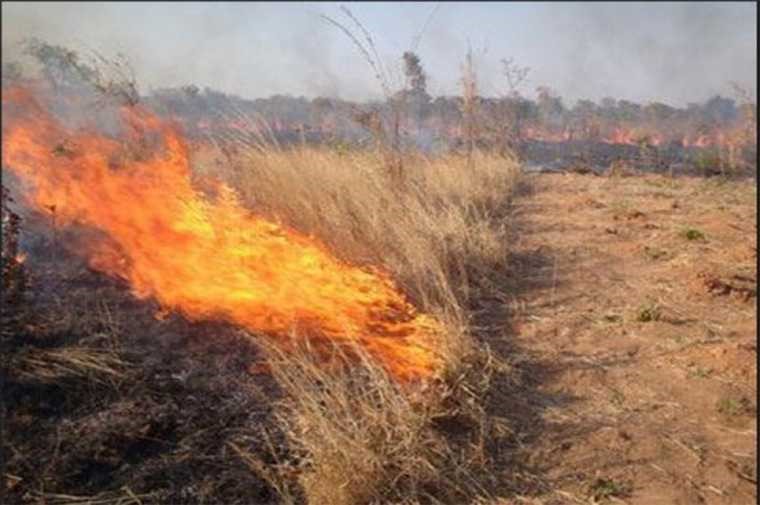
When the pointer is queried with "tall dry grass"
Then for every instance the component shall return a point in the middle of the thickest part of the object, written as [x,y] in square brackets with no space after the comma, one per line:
[355,436]
[439,234]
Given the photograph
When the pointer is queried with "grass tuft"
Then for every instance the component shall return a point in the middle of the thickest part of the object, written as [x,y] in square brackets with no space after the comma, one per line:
[693,234]
[648,313]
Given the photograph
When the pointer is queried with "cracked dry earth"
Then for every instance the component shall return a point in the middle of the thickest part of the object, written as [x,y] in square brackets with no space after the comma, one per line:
[636,307]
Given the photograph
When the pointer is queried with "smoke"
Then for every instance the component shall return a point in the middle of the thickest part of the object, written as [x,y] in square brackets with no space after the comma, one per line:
[671,52]
[678,53]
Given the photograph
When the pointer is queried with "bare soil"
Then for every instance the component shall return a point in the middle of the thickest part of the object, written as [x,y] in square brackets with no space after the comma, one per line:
[634,328]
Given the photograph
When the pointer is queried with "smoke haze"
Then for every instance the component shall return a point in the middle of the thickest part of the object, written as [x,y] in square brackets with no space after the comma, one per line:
[671,52]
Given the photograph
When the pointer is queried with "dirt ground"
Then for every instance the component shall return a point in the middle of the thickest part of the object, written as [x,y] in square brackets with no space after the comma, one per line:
[634,328]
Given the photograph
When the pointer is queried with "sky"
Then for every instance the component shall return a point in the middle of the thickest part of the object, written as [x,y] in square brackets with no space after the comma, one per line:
[671,52]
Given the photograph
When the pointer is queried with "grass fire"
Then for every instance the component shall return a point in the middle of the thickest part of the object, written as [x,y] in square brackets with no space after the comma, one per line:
[277,254]
[206,259]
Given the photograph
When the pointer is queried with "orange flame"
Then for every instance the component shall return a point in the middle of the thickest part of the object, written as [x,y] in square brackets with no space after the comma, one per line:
[207,259]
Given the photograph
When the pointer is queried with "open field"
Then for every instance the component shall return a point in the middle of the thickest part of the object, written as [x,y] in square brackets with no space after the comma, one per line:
[634,304]
[407,299]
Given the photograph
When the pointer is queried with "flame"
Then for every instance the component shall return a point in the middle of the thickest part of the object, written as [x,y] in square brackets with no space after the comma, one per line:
[207,259]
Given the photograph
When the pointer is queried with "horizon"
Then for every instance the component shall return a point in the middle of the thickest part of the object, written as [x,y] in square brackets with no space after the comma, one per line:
[674,53]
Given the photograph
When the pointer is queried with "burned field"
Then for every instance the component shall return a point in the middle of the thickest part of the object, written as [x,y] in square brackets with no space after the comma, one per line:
[100,403]
[208,299]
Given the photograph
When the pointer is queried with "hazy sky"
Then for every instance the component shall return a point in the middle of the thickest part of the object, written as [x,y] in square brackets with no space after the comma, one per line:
[672,52]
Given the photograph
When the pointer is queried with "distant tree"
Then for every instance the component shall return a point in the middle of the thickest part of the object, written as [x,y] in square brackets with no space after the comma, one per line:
[323,104]
[512,111]
[628,111]
[585,107]
[415,76]
[63,67]
[507,114]
[550,105]
[608,106]
[585,118]
[414,97]
[719,109]
[191,90]
[515,75]
[658,112]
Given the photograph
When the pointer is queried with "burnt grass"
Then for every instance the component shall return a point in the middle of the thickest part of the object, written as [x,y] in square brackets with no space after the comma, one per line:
[129,406]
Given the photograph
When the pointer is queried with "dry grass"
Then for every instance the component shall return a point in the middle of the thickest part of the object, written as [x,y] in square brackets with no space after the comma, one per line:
[122,497]
[69,363]
[439,234]
[356,436]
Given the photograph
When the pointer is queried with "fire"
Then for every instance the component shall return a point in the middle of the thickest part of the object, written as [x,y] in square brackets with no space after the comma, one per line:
[206,258]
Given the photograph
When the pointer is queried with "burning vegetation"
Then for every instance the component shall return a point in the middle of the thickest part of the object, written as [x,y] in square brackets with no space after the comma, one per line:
[717,135]
[206,259]
[289,260]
